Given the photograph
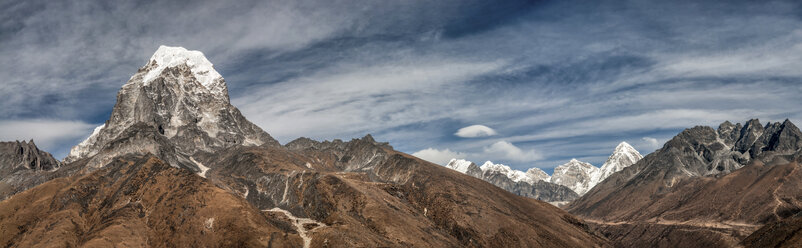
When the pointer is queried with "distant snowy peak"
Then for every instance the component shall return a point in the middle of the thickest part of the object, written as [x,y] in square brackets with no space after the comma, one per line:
[538,174]
[203,70]
[514,175]
[624,156]
[465,167]
[576,175]
[531,176]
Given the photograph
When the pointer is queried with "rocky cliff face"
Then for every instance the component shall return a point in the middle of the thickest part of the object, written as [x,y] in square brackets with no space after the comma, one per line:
[23,165]
[180,96]
[24,156]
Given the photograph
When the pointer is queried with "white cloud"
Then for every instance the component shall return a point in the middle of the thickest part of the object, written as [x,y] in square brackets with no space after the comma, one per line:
[46,133]
[475,131]
[504,150]
[436,156]
[499,151]
[651,143]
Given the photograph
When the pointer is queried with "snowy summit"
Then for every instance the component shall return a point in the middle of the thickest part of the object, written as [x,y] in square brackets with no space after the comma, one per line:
[203,70]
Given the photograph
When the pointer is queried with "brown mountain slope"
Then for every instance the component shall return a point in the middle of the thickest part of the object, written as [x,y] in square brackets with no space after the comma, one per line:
[135,202]
[719,212]
[366,194]
[781,234]
[684,189]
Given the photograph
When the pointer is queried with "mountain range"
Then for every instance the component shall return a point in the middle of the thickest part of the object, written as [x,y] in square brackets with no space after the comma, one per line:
[576,176]
[177,165]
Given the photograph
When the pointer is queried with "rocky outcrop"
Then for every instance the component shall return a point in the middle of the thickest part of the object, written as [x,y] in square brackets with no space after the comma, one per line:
[23,165]
[24,156]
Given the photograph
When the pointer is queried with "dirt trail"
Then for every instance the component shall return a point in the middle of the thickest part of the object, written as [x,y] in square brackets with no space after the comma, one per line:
[774,192]
[695,223]
[299,225]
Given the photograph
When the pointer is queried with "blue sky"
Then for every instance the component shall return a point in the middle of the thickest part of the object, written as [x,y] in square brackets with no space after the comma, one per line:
[553,80]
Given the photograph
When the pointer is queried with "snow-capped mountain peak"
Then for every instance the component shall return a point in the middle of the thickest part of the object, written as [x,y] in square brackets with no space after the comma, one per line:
[623,156]
[514,175]
[460,165]
[537,174]
[203,70]
[576,175]
[179,97]
[465,167]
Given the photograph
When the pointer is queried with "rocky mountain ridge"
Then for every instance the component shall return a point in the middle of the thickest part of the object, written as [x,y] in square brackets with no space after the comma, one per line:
[745,174]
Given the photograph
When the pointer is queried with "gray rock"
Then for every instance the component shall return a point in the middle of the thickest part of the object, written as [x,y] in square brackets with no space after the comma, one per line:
[541,190]
[175,103]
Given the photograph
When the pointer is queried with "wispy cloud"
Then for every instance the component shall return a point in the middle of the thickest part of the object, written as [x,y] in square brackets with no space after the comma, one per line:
[358,98]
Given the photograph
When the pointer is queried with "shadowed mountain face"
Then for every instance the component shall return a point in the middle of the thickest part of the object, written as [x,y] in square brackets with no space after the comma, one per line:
[23,165]
[176,165]
[715,185]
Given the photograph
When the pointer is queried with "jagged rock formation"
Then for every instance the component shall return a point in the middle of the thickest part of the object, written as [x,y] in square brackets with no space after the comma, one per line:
[229,184]
[23,165]
[24,156]
[180,96]
[716,185]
